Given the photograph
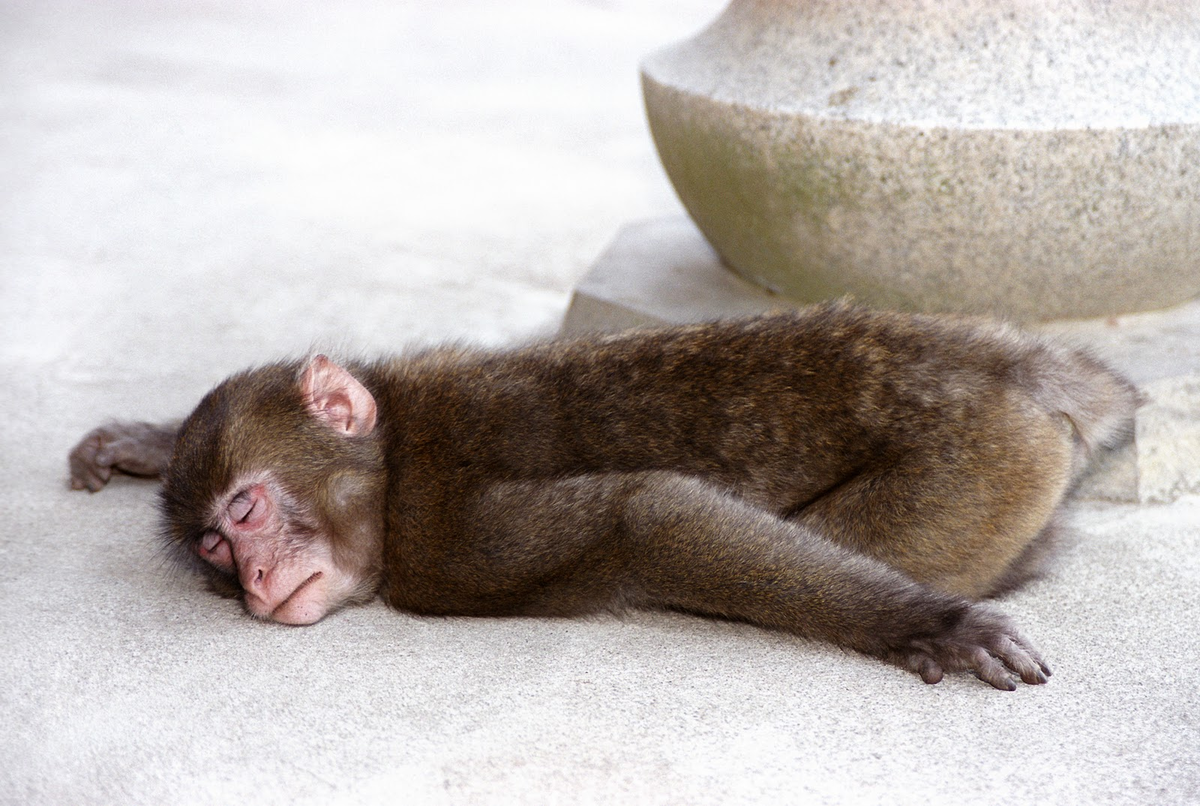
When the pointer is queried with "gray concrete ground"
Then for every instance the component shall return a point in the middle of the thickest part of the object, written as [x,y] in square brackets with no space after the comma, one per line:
[192,187]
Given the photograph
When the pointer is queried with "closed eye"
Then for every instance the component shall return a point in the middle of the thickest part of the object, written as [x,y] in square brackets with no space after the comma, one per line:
[215,549]
[242,506]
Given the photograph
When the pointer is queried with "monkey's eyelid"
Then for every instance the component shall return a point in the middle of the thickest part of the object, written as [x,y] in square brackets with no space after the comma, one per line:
[209,540]
[242,505]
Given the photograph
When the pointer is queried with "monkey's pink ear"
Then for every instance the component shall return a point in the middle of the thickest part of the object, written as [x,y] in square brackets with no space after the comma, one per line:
[336,398]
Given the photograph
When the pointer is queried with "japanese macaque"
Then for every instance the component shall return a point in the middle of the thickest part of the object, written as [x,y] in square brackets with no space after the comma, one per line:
[846,475]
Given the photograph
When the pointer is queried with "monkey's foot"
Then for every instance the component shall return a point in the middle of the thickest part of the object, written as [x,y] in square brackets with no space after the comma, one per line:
[984,643]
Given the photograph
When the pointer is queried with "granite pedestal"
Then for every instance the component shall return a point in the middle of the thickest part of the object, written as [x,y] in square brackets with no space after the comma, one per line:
[1032,160]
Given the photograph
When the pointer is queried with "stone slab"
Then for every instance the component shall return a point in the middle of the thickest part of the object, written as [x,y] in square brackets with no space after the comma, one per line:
[662,271]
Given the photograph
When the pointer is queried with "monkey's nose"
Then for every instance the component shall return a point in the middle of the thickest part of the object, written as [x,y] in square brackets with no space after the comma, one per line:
[257,597]
[254,580]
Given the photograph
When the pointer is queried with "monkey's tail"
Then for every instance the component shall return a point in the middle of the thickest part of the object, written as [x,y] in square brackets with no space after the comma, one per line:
[1097,401]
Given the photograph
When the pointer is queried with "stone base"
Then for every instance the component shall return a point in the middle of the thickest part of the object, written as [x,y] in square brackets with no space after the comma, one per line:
[664,272]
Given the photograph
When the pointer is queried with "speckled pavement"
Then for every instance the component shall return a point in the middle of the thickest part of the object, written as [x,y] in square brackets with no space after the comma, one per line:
[189,188]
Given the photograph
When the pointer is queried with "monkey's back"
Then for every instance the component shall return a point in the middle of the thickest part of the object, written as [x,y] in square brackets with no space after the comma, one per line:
[778,408]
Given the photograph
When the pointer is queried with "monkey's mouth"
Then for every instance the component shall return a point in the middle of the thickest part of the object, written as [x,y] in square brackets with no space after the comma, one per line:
[317,575]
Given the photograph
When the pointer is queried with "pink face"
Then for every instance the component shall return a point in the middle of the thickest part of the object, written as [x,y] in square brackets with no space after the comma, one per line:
[288,573]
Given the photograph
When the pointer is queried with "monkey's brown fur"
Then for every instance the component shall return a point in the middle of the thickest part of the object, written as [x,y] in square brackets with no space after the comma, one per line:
[849,475]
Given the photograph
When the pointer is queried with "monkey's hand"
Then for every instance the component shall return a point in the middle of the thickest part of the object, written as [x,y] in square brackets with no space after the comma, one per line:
[984,643]
[137,449]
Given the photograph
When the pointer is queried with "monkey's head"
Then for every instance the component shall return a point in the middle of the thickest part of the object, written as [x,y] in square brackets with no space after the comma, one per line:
[275,487]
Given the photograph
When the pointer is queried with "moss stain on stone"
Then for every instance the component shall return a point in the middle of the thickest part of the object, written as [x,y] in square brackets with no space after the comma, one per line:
[719,179]
[738,192]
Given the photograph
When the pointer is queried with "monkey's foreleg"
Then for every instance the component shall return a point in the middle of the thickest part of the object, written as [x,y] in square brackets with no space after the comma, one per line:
[138,449]
[667,540]
[703,550]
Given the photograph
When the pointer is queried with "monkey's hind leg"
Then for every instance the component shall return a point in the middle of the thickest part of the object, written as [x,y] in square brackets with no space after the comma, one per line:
[971,518]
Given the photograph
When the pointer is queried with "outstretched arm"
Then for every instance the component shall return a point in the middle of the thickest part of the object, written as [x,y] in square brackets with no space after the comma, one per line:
[137,449]
[663,539]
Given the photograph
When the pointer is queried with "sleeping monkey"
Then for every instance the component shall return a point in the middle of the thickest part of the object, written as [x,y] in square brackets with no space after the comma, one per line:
[853,476]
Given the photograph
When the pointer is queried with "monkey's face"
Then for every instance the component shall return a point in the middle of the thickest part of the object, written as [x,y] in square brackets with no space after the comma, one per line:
[277,489]
[284,563]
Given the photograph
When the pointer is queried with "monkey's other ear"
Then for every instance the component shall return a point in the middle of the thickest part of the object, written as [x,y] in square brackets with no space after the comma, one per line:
[336,398]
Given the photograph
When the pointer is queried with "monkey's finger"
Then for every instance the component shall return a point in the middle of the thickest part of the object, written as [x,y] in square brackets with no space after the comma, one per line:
[1022,659]
[1033,654]
[90,482]
[86,471]
[93,479]
[991,671]
[929,670]
[919,663]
